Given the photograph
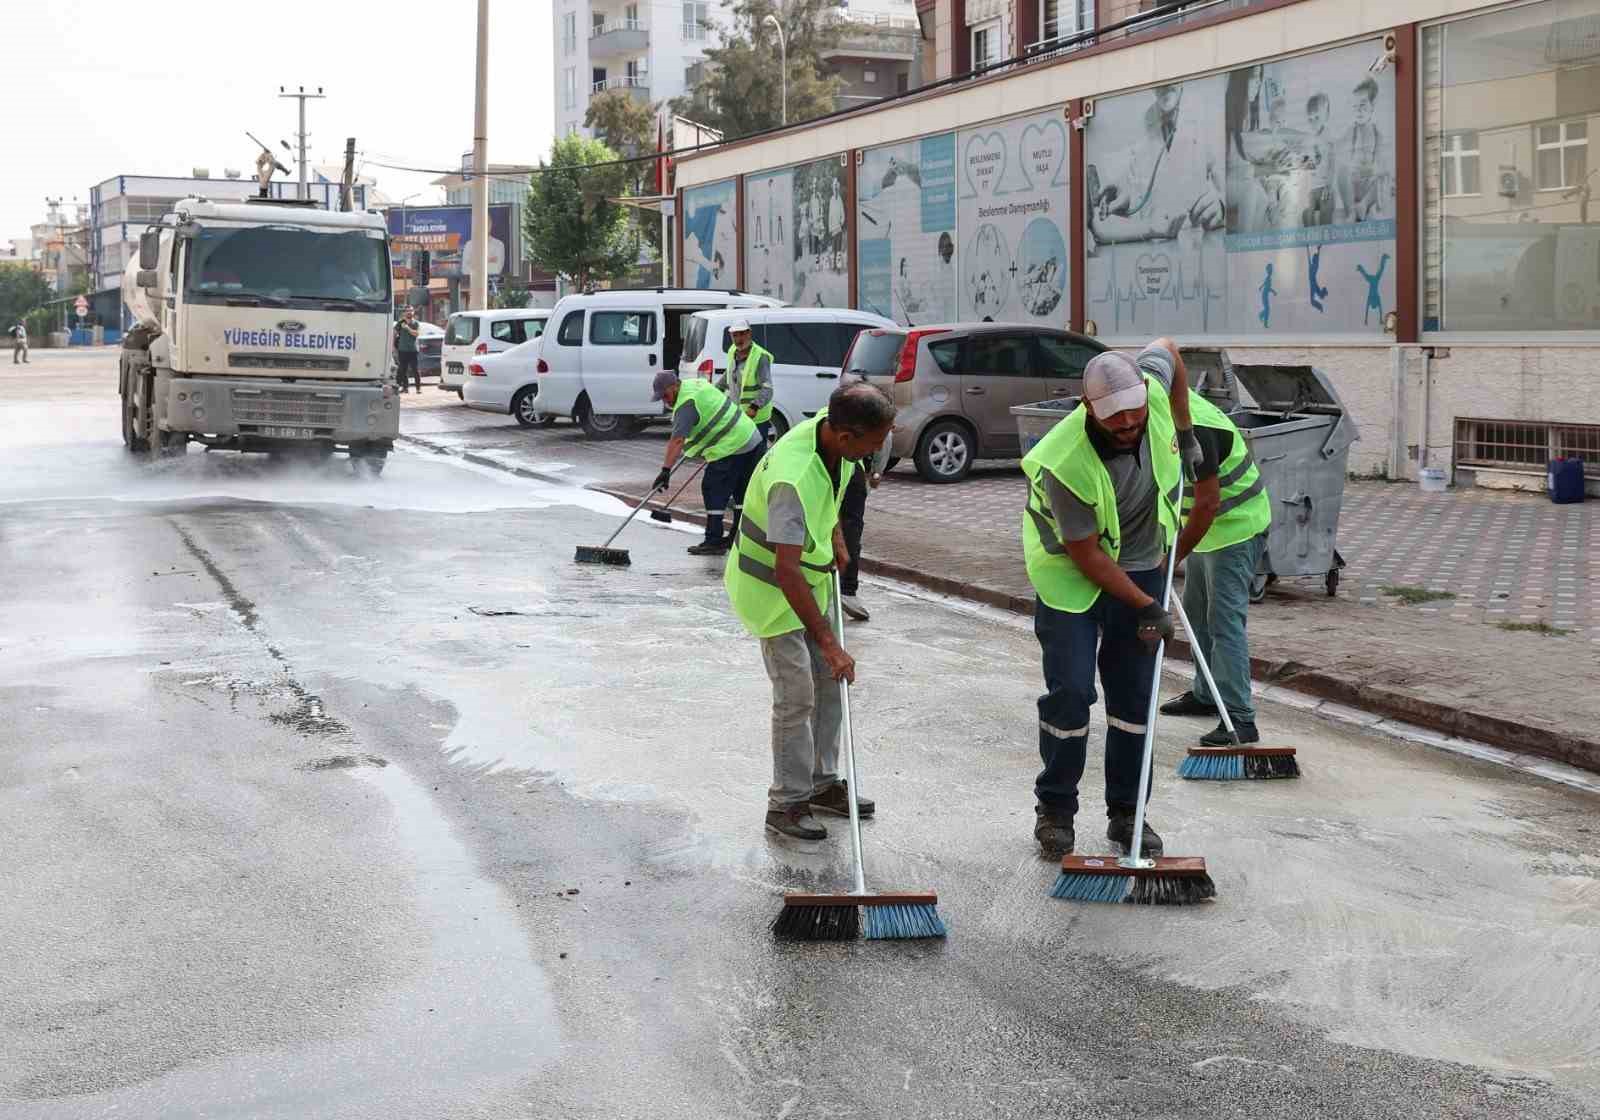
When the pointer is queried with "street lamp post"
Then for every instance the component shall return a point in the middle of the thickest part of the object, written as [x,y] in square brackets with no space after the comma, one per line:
[783,62]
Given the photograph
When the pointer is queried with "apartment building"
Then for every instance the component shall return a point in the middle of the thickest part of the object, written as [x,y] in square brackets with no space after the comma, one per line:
[1399,193]
[652,49]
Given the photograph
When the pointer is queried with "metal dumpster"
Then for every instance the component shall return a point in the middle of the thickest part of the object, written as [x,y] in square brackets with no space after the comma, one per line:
[1300,435]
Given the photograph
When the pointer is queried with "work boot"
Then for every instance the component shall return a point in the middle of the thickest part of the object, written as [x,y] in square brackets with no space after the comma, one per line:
[1053,830]
[1119,831]
[853,608]
[834,800]
[1188,705]
[1219,737]
[796,822]
[709,548]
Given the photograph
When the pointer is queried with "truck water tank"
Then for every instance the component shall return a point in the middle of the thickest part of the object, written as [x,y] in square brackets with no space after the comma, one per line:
[135,298]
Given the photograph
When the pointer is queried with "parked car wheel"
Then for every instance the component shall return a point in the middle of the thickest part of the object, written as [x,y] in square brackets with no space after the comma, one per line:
[461,394]
[780,426]
[523,410]
[599,425]
[946,452]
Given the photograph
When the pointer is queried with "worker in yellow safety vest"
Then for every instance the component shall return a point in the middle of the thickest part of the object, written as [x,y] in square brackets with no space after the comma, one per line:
[779,577]
[1104,488]
[707,425]
[749,376]
[1217,576]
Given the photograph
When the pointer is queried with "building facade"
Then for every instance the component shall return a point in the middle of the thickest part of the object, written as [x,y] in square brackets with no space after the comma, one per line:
[1398,193]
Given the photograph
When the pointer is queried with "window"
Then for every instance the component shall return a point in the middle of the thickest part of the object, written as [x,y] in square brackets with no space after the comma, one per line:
[1458,162]
[571,332]
[876,352]
[1563,154]
[1062,357]
[817,345]
[998,355]
[630,17]
[870,77]
[985,44]
[569,87]
[1509,223]
[847,338]
[462,331]
[569,33]
[507,330]
[946,353]
[597,23]
[597,79]
[1059,19]
[695,16]
[634,73]
[532,328]
[622,328]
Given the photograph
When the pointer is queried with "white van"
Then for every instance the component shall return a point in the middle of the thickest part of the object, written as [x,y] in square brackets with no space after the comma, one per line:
[605,349]
[808,346]
[472,333]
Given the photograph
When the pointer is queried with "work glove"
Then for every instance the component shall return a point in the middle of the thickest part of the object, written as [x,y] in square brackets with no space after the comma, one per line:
[663,478]
[1189,451]
[1155,625]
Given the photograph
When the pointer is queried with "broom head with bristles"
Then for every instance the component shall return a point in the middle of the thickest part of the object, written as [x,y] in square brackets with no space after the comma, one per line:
[1168,881]
[662,515]
[594,554]
[844,917]
[1233,764]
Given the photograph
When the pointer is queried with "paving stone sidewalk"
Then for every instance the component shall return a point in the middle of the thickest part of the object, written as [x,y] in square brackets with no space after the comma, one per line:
[1507,560]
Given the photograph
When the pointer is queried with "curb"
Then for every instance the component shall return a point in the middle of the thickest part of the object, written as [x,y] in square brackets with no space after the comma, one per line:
[486,461]
[1482,727]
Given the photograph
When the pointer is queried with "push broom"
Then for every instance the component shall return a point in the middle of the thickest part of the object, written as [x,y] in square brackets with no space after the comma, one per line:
[1235,763]
[665,515]
[845,917]
[1163,881]
[605,554]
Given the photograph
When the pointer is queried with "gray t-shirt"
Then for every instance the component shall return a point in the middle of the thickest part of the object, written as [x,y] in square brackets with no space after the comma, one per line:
[786,517]
[1134,483]
[686,416]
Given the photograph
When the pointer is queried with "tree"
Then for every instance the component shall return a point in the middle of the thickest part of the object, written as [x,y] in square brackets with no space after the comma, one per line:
[571,225]
[628,125]
[21,290]
[741,87]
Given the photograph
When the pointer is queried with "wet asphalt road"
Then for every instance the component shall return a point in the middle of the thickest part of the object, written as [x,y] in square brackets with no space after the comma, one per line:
[323,796]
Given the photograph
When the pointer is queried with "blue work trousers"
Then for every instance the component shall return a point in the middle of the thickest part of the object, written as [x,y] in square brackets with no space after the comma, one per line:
[722,488]
[1216,597]
[1106,633]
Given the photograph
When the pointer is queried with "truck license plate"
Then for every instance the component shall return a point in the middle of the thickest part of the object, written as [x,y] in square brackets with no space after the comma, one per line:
[289,433]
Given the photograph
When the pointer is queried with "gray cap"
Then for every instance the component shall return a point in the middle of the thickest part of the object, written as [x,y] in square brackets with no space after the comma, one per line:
[658,387]
[1112,383]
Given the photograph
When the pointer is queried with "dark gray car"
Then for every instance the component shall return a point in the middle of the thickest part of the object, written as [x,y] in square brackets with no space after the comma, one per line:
[954,386]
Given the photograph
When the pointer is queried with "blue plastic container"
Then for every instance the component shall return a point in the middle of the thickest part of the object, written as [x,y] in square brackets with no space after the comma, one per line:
[1565,480]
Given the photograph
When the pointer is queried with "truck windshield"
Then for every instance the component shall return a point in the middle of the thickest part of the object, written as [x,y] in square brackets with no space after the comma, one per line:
[289,263]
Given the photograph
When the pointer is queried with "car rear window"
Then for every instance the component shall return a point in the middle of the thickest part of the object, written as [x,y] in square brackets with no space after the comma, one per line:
[876,353]
[463,329]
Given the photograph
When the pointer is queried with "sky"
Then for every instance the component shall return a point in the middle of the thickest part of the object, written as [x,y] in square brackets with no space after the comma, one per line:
[97,88]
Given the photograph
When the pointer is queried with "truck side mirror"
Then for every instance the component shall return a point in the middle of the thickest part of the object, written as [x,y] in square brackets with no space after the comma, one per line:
[147,278]
[149,249]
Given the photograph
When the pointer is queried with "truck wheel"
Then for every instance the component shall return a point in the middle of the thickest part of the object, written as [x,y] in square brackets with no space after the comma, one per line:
[132,426]
[946,451]
[599,425]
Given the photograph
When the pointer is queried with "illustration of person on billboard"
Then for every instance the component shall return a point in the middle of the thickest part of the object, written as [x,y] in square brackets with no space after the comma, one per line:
[1171,177]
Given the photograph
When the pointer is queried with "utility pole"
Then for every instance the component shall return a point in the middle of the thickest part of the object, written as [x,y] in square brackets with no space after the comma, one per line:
[480,169]
[302,96]
[347,184]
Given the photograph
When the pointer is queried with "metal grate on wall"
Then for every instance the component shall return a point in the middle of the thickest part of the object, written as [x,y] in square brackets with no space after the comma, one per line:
[1526,444]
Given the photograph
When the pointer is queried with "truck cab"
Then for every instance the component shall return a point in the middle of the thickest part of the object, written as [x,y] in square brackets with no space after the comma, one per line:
[261,326]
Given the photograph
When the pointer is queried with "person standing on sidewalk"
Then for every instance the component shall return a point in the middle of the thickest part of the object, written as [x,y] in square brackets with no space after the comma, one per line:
[853,520]
[1216,578]
[749,377]
[707,425]
[19,343]
[779,578]
[405,348]
[1103,493]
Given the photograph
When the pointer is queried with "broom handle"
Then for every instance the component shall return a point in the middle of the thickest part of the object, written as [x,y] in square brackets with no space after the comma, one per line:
[1136,849]
[852,790]
[648,495]
[1205,671]
[686,483]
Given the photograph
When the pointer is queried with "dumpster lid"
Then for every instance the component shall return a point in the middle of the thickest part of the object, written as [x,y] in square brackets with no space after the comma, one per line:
[1279,388]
